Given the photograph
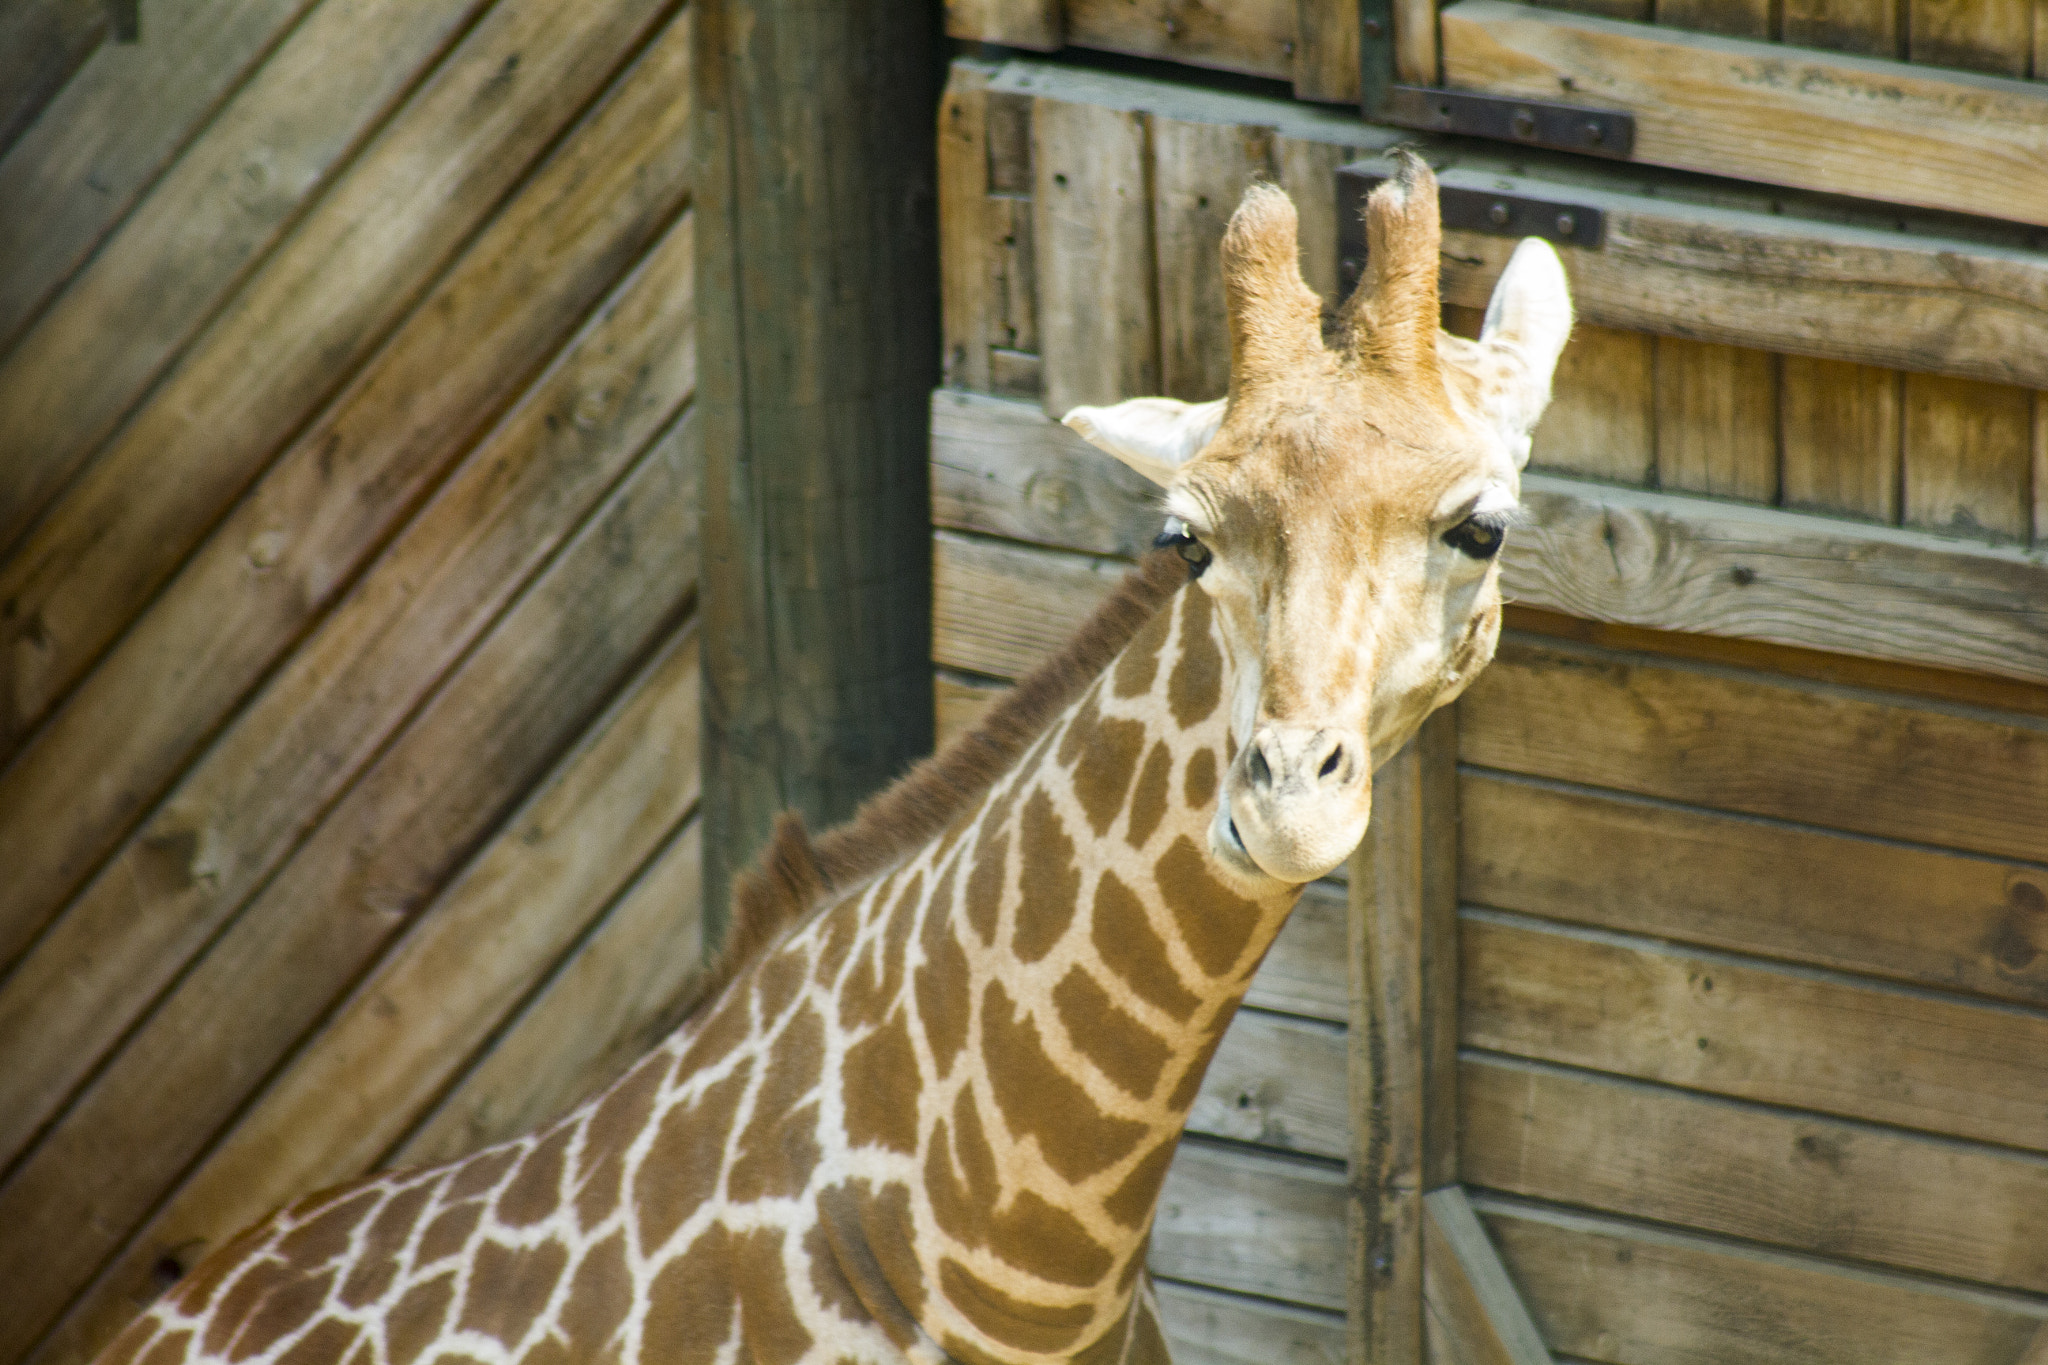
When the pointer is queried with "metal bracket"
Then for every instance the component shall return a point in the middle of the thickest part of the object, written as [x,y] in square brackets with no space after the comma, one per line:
[1463,209]
[1533,123]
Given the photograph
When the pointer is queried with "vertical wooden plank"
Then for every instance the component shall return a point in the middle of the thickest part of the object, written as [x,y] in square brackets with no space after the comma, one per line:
[964,267]
[2041,464]
[1308,172]
[1199,172]
[1977,35]
[1416,60]
[1838,428]
[1717,419]
[1868,27]
[1736,18]
[1968,456]
[2041,40]
[1092,227]
[1601,421]
[1013,283]
[1326,50]
[1475,1311]
[1438,741]
[1035,24]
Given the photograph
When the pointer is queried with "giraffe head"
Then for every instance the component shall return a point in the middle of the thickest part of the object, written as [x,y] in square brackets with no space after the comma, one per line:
[1343,507]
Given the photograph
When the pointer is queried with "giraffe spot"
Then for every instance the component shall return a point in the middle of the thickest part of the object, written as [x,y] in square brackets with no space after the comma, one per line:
[1199,787]
[1131,948]
[1183,1096]
[1196,684]
[288,1305]
[1148,798]
[1138,665]
[880,1084]
[450,1232]
[689,1304]
[508,1286]
[416,1319]
[1015,1322]
[1132,1202]
[777,1149]
[725,1028]
[194,1294]
[838,943]
[1215,922]
[985,882]
[138,1334]
[970,1144]
[1102,775]
[617,1120]
[682,1164]
[536,1191]
[600,1296]
[547,1350]
[1080,729]
[377,1264]
[325,1236]
[1108,1349]
[828,1282]
[365,1353]
[1039,1239]
[482,1172]
[873,1243]
[769,1324]
[244,1293]
[1049,882]
[946,1193]
[942,986]
[1148,1343]
[168,1350]
[326,1344]
[1039,1100]
[777,981]
[1127,1052]
[782,1168]
[877,977]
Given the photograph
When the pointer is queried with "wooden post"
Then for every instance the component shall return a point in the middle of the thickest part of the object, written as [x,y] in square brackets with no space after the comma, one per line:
[817,297]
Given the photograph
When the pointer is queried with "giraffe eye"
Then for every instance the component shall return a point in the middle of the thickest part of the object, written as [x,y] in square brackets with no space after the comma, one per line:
[1178,537]
[1479,536]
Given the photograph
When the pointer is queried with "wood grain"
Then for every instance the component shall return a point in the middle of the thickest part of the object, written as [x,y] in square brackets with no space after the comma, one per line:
[1199,172]
[1976,35]
[1839,438]
[1968,457]
[42,42]
[1256,37]
[999,609]
[1602,418]
[964,264]
[1717,419]
[1416,57]
[1206,1327]
[1623,1292]
[1256,1222]
[1869,28]
[1735,1026]
[1013,23]
[1760,111]
[1092,227]
[1473,1303]
[1792,1180]
[1278,1082]
[1326,50]
[1736,18]
[1792,892]
[1307,170]
[1305,970]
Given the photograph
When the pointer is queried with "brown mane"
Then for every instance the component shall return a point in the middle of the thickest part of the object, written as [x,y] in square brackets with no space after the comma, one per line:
[795,877]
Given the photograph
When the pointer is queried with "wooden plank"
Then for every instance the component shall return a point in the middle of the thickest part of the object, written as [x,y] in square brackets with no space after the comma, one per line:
[1205,1327]
[1307,170]
[324,302]
[1602,418]
[1792,892]
[299,743]
[1199,172]
[1091,225]
[999,609]
[1736,18]
[42,42]
[1013,274]
[466,962]
[1255,37]
[1416,56]
[1304,971]
[1438,745]
[1968,457]
[1760,111]
[1792,1180]
[1839,435]
[1625,1293]
[1717,419]
[1735,1026]
[964,264]
[1470,1296]
[289,548]
[1279,1082]
[1976,35]
[1256,1222]
[2041,454]
[1869,28]
[959,700]
[1326,50]
[377,858]
[1034,24]
[164,273]
[130,108]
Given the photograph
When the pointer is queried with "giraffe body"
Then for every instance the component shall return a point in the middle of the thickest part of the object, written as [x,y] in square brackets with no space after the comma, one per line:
[929,1118]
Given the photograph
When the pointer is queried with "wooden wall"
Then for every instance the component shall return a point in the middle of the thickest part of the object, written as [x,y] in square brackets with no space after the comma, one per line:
[348,526]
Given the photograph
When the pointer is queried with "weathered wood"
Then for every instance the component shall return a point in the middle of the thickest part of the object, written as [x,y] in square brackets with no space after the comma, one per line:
[999,609]
[1304,971]
[1206,1327]
[1977,35]
[1437,745]
[1416,57]
[1790,892]
[289,548]
[1257,1222]
[1034,24]
[42,42]
[1736,1026]
[325,300]
[1481,1315]
[376,859]
[1256,37]
[1869,28]
[2040,500]
[1199,172]
[1278,1082]
[1762,111]
[163,274]
[1307,170]
[1326,50]
[1092,230]
[1620,1291]
[1839,434]
[467,962]
[107,134]
[818,295]
[1736,18]
[1968,457]
[1792,1180]
[1602,418]
[1013,275]
[1717,419]
[965,308]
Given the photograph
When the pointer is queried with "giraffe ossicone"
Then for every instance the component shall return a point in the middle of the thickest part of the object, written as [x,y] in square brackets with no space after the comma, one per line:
[924,1112]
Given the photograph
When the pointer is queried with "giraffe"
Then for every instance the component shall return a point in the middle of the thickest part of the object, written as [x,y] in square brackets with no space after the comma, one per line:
[925,1109]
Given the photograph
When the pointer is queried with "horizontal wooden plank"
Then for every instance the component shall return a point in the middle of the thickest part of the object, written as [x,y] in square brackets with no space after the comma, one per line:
[1814,753]
[1279,1082]
[1207,1327]
[1256,1222]
[1737,1026]
[1629,1294]
[1001,609]
[1789,1179]
[1761,111]
[1256,37]
[1748,885]
[1194,103]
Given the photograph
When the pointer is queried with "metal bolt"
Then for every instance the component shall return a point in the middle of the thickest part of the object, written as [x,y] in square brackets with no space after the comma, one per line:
[1172,28]
[1497,213]
[1566,224]
[1374,28]
[1595,134]
[1524,123]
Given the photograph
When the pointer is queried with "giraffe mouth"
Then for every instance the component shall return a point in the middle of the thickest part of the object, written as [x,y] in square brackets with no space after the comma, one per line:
[1227,846]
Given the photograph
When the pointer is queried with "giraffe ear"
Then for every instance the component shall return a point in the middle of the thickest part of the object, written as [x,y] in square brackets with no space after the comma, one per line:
[1154,436]
[1506,374]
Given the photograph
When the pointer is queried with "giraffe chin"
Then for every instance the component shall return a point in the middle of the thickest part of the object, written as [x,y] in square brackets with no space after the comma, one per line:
[1227,847]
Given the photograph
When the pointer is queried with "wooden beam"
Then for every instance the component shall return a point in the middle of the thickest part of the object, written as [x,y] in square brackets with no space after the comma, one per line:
[1036,24]
[818,310]
[1761,111]
[1472,1301]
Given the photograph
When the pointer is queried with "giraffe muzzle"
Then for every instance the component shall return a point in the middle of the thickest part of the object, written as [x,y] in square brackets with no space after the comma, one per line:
[1297,799]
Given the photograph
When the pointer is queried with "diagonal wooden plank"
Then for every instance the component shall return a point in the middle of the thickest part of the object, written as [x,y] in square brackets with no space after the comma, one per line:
[1469,1291]
[42,42]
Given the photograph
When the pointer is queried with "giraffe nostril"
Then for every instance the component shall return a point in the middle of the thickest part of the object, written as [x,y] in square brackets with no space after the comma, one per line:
[1261,772]
[1330,763]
